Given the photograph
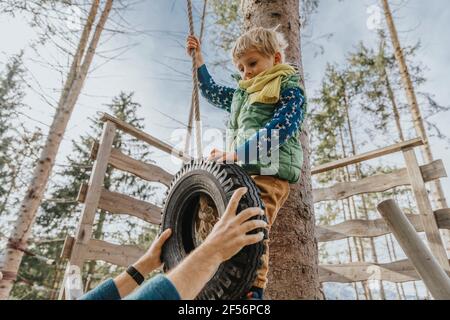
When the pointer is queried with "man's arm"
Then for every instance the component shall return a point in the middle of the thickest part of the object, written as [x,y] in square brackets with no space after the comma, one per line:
[217,95]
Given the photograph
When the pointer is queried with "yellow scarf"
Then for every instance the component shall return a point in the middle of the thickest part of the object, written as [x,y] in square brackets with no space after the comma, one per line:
[265,87]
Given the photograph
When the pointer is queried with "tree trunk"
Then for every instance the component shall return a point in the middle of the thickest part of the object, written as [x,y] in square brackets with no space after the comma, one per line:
[437,191]
[191,111]
[36,189]
[97,234]
[349,247]
[294,253]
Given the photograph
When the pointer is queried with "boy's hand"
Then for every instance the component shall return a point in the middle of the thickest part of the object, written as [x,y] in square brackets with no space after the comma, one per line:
[221,156]
[192,43]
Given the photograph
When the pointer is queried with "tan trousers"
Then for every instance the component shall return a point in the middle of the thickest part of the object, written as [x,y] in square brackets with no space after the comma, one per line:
[274,193]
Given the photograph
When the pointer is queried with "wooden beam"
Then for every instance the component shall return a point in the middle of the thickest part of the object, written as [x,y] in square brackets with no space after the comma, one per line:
[92,198]
[367,156]
[141,135]
[117,203]
[425,210]
[67,247]
[146,171]
[378,183]
[374,228]
[399,271]
[120,255]
[81,197]
[432,274]
[143,170]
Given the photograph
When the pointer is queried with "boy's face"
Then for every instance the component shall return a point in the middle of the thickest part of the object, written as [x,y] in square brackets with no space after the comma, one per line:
[253,63]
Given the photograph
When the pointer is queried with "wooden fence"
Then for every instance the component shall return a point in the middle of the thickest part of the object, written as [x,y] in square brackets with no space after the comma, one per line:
[425,221]
[93,196]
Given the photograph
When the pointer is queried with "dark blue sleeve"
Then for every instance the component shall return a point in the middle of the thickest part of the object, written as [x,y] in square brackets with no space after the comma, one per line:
[157,288]
[286,121]
[217,95]
[107,290]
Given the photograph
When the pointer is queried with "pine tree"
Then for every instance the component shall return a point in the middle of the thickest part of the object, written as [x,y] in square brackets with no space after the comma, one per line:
[18,145]
[329,126]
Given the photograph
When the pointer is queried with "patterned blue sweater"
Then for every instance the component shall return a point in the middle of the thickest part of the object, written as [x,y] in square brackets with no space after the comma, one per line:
[287,119]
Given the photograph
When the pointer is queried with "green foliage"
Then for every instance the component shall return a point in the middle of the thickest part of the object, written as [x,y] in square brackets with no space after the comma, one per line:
[19,146]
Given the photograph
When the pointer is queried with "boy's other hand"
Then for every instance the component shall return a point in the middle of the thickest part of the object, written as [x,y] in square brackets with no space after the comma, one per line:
[192,43]
[222,156]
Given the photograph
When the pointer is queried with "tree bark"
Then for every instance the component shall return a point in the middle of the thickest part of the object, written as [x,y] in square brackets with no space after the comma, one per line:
[36,189]
[437,191]
[293,270]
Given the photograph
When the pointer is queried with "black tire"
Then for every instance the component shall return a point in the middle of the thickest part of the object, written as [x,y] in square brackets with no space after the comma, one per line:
[234,277]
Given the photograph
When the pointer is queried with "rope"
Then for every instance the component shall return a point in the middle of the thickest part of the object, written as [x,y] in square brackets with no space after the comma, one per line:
[195,103]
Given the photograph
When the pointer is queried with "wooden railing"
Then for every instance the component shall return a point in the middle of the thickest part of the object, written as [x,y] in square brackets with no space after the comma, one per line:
[374,228]
[425,221]
[93,196]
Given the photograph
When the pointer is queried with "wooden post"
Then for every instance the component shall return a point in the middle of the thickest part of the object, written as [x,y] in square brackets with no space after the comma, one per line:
[432,274]
[84,231]
[425,210]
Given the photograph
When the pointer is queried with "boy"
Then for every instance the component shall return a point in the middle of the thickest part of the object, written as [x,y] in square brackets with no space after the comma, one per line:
[267,111]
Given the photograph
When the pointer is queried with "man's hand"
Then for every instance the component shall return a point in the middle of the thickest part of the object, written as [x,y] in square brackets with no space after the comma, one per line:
[147,263]
[229,234]
[221,156]
[151,260]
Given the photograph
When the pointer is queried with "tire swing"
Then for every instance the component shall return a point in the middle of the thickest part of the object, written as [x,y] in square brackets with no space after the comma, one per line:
[215,182]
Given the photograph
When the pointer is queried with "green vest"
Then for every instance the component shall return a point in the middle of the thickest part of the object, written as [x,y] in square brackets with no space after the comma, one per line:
[247,119]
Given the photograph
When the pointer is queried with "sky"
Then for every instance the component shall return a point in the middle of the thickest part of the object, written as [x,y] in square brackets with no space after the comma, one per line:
[157,68]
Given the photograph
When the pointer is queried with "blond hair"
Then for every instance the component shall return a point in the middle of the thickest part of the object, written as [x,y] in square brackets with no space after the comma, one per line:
[265,41]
